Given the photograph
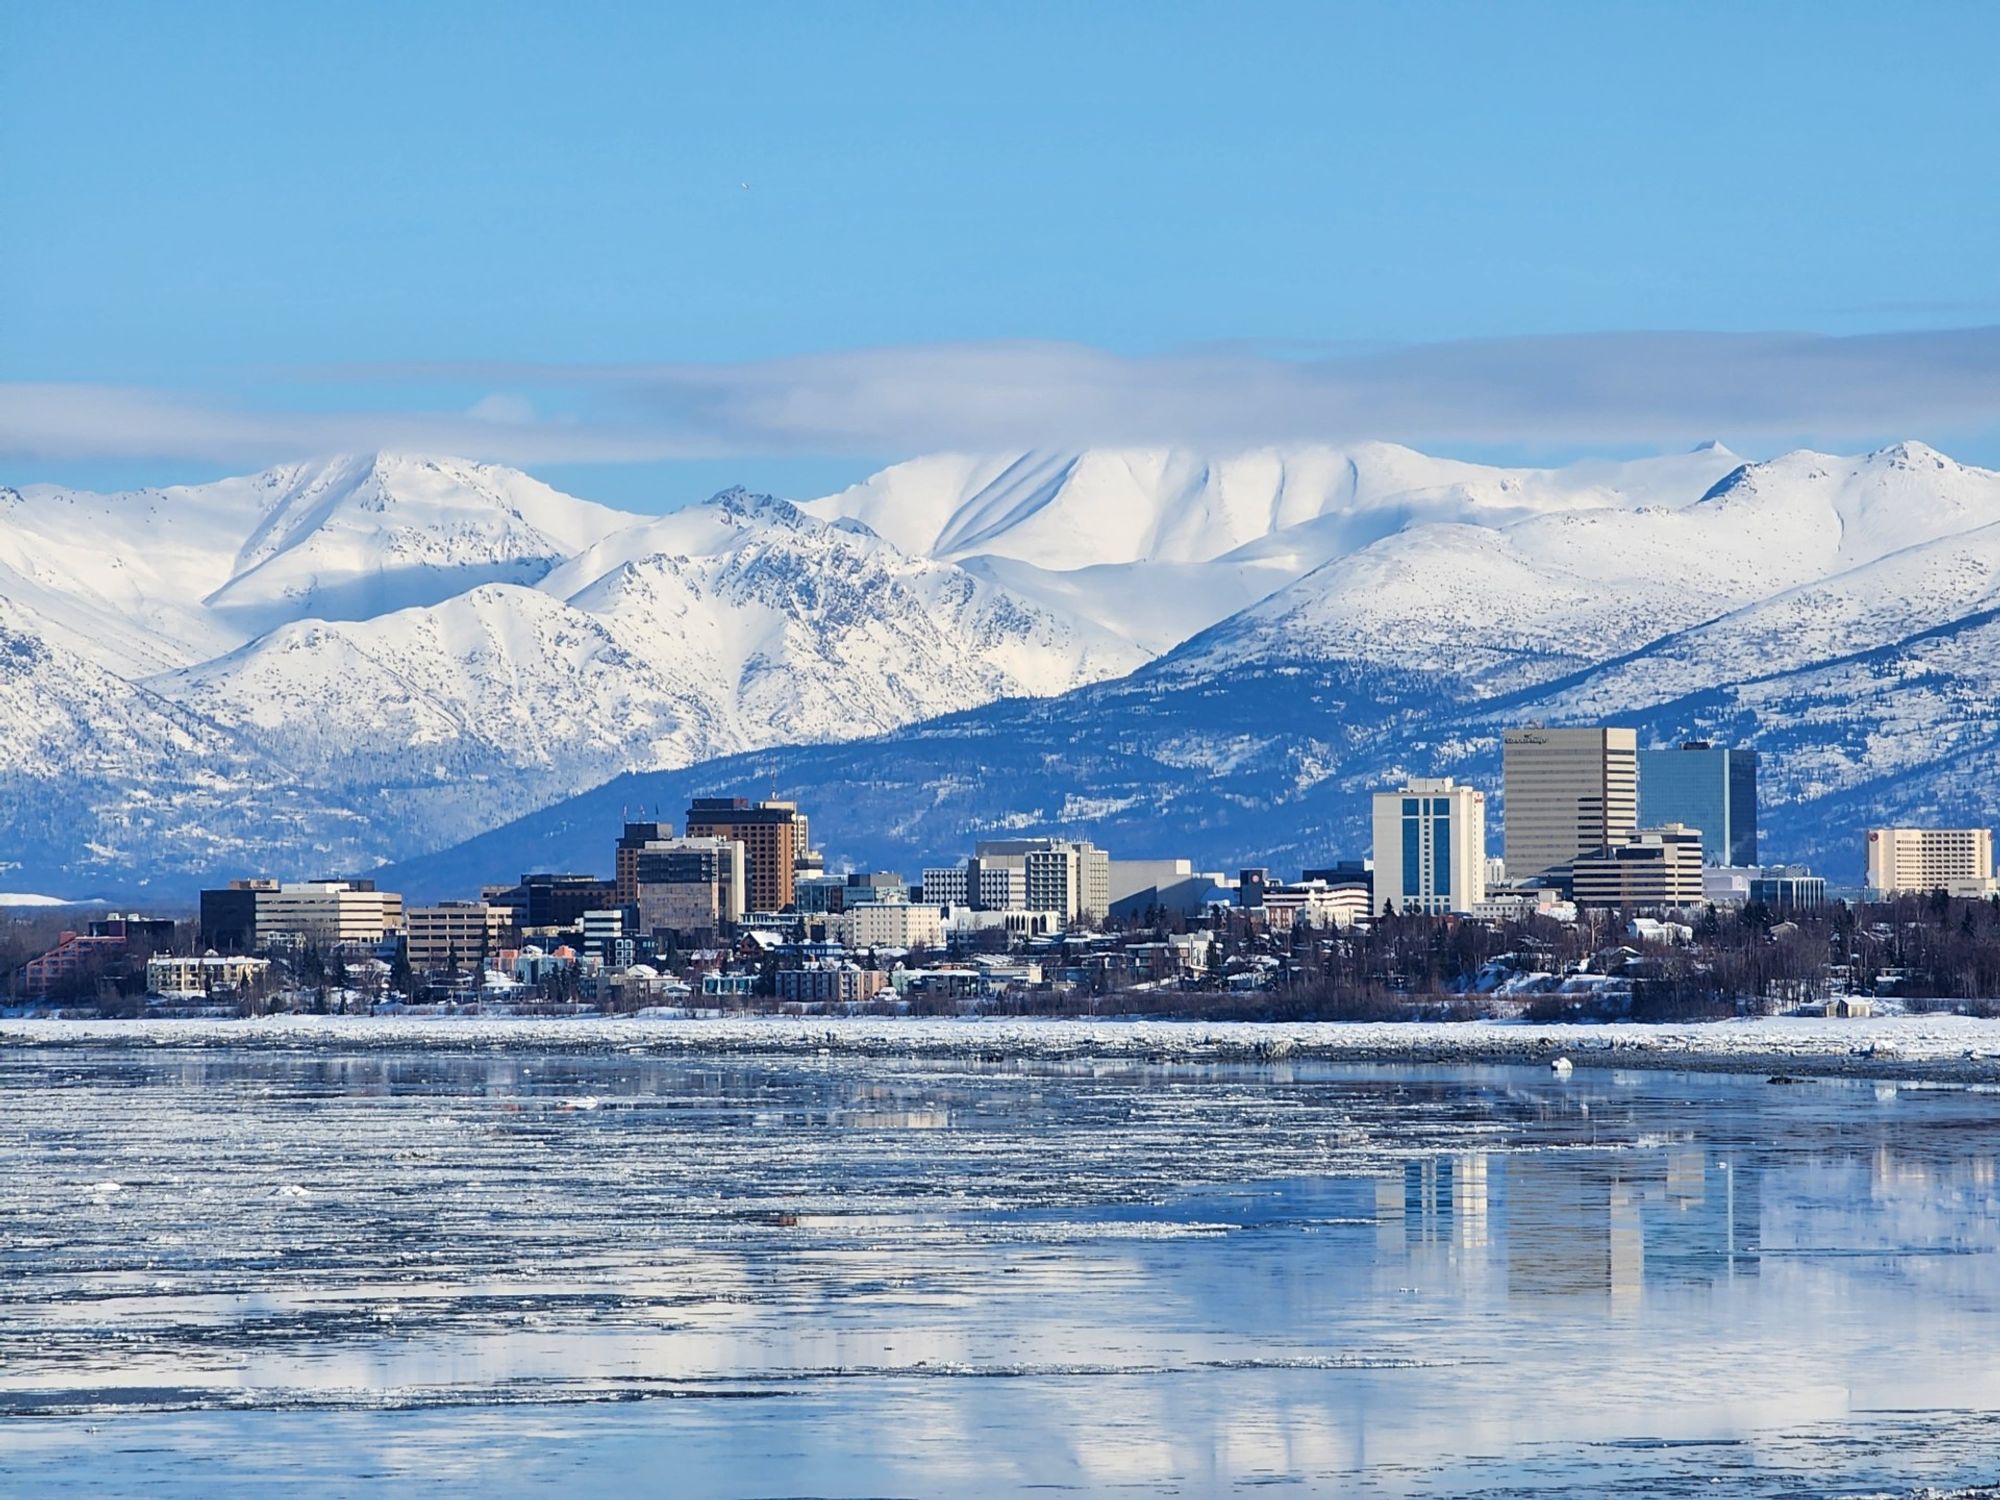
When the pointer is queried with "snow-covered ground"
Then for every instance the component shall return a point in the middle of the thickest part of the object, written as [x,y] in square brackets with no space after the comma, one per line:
[1950,1046]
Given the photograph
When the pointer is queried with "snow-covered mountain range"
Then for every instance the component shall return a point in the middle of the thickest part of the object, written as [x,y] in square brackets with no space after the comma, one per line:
[338,663]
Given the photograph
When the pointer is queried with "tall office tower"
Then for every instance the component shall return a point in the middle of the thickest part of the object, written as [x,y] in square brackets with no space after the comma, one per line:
[1568,792]
[1430,847]
[773,835]
[1710,787]
[1929,859]
[625,860]
[691,885]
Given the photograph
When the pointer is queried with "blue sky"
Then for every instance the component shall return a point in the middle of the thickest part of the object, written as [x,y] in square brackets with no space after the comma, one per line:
[645,251]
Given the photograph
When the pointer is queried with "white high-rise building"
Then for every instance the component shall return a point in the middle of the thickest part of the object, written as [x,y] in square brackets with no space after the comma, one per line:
[1568,792]
[1430,847]
[1929,859]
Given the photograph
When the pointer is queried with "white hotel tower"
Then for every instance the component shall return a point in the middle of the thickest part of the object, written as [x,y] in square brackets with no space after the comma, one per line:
[1430,847]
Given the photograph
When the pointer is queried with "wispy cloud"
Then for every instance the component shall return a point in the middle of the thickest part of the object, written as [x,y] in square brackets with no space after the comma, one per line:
[1546,392]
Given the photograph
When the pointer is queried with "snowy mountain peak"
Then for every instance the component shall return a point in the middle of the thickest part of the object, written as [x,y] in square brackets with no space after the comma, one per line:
[358,535]
[1914,455]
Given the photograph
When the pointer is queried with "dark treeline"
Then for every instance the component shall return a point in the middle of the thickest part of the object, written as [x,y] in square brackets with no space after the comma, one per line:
[1923,950]
[1927,952]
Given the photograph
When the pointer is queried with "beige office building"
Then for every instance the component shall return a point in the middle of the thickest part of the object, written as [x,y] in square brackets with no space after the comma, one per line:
[1654,869]
[457,934]
[327,914]
[1929,859]
[1568,792]
[887,924]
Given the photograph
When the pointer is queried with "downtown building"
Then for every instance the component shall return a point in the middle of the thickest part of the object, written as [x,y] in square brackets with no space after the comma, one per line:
[1654,869]
[457,934]
[1568,793]
[549,903]
[1430,847]
[775,840]
[691,886]
[249,915]
[1710,787]
[625,859]
[1070,878]
[1958,860]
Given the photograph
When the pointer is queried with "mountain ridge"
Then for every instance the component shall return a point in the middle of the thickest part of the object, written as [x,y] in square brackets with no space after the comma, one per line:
[540,647]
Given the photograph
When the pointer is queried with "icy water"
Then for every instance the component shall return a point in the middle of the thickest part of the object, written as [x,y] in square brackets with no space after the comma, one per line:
[500,1272]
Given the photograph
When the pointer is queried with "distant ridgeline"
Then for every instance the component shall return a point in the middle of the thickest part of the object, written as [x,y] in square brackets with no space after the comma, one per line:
[365,661]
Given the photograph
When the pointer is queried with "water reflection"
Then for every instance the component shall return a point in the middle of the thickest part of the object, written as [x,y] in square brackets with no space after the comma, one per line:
[995,1274]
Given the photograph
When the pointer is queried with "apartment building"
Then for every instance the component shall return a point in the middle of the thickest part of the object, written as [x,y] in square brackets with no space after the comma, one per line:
[171,974]
[830,982]
[887,924]
[1568,792]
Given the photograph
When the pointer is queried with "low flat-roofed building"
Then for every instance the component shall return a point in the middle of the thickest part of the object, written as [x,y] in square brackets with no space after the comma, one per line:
[1789,886]
[1315,904]
[456,934]
[888,924]
[1656,868]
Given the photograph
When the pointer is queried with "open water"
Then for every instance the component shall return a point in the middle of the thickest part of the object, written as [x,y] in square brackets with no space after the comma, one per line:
[506,1272]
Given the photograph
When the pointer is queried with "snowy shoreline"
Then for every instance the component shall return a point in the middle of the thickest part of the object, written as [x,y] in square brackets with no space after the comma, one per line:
[1929,1048]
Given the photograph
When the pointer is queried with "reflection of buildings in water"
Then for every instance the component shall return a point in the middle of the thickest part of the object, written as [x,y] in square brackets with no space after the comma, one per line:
[891,1119]
[1607,1225]
[1705,1222]
[1573,1225]
[1888,1201]
[1435,1211]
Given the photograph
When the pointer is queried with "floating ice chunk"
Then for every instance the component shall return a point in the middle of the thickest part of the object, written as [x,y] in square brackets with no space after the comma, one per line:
[291,1190]
[1562,1067]
[585,1101]
[106,1189]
